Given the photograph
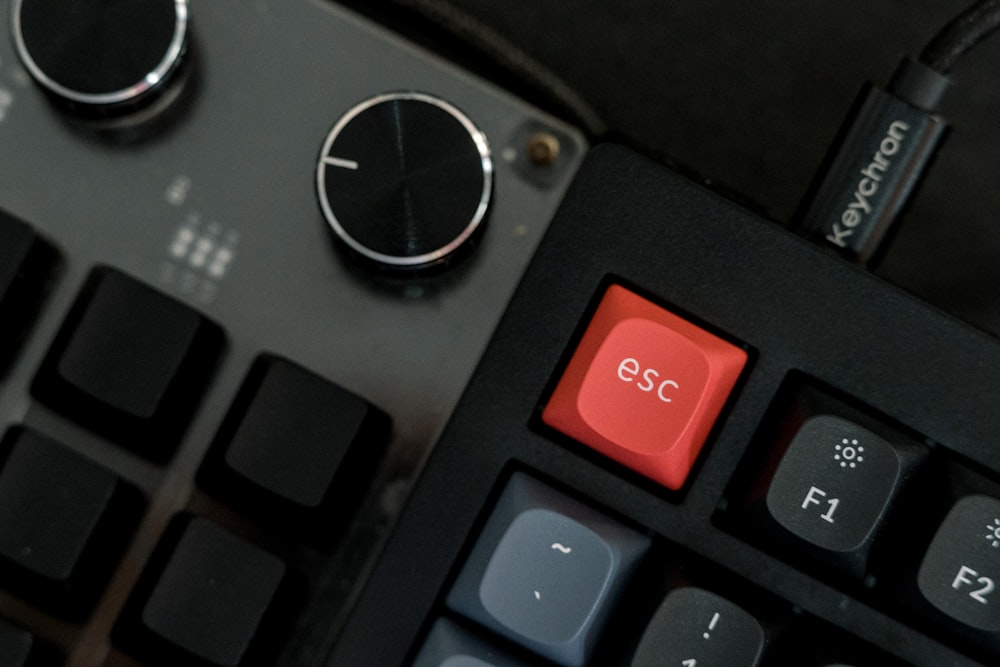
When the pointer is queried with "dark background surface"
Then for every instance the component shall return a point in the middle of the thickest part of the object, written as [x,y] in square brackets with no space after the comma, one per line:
[749,95]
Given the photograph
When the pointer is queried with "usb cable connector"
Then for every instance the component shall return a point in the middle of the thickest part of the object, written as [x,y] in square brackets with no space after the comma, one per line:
[883,153]
[886,146]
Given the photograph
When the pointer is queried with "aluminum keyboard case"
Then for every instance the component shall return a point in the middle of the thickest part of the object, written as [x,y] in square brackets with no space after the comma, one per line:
[235,161]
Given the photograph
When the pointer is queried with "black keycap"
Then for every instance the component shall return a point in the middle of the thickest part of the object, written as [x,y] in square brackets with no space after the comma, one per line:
[15,645]
[961,569]
[25,260]
[834,486]
[547,571]
[451,645]
[210,599]
[19,648]
[295,443]
[129,362]
[64,521]
[694,627]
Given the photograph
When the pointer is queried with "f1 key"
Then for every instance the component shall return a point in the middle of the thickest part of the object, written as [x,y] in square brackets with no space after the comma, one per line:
[961,569]
[835,485]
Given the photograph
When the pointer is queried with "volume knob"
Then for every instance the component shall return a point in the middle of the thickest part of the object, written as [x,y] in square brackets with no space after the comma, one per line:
[404,180]
[101,56]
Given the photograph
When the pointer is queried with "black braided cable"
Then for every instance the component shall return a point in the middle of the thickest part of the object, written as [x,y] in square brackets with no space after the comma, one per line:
[965,31]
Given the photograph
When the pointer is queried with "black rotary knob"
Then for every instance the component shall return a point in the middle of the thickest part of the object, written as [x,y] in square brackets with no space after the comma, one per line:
[101,55]
[404,179]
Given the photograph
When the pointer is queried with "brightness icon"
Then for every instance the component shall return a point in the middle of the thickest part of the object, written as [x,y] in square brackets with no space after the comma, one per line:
[849,453]
[993,533]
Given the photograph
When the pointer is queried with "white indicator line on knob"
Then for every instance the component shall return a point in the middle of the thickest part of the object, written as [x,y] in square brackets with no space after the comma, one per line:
[340,162]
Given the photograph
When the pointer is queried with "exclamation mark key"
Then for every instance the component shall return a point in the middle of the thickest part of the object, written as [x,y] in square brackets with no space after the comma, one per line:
[696,628]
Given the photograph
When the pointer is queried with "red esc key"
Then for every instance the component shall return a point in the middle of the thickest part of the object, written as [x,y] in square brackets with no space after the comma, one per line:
[644,387]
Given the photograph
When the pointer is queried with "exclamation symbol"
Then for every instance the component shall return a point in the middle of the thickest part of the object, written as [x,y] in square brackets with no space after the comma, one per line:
[711,625]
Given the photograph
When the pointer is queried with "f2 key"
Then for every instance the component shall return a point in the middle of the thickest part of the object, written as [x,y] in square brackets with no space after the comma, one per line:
[961,568]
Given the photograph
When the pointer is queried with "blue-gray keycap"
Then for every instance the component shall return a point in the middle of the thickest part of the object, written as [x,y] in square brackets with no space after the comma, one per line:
[450,645]
[546,571]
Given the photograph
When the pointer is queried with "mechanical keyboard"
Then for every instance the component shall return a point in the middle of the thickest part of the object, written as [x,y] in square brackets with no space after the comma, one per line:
[681,436]
[217,383]
[697,439]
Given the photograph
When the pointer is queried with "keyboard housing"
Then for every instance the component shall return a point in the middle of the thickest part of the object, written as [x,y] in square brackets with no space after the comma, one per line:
[822,336]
